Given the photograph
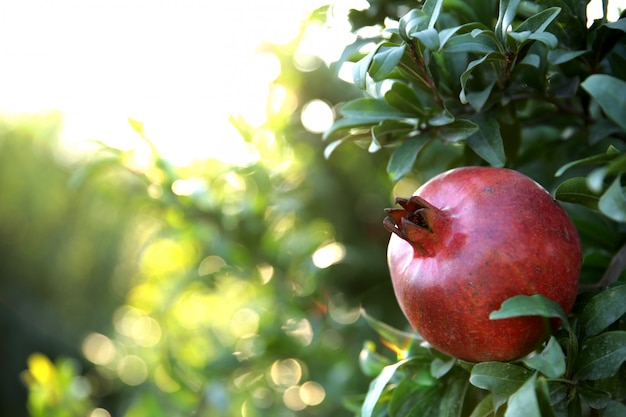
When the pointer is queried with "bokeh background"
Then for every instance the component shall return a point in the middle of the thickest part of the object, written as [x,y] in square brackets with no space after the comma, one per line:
[173,240]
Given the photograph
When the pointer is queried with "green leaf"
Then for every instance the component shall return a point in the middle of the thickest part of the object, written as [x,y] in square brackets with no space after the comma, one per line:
[546,38]
[403,157]
[500,378]
[603,310]
[506,15]
[414,21]
[610,154]
[561,56]
[371,109]
[610,93]
[458,130]
[371,362]
[575,190]
[390,334]
[385,60]
[428,37]
[613,201]
[378,385]
[477,99]
[432,8]
[468,72]
[615,409]
[451,403]
[601,356]
[595,397]
[550,361]
[488,405]
[487,142]
[389,131]
[359,71]
[544,398]
[531,305]
[523,403]
[446,34]
[405,99]
[440,367]
[478,41]
[619,24]
[540,21]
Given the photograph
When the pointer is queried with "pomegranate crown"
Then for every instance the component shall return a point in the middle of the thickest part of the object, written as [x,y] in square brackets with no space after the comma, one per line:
[414,222]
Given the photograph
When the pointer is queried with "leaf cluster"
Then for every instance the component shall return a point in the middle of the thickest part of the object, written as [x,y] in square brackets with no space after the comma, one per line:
[577,370]
[458,74]
[518,84]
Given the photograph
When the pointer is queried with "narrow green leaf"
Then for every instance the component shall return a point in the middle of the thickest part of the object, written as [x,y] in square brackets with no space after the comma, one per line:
[441,119]
[615,409]
[403,157]
[385,60]
[405,99]
[350,123]
[506,15]
[378,385]
[550,361]
[477,99]
[601,356]
[523,403]
[617,165]
[487,142]
[488,406]
[470,67]
[446,34]
[451,403]
[603,310]
[371,109]
[390,334]
[500,378]
[546,38]
[531,305]
[610,154]
[540,21]
[432,8]
[575,190]
[480,43]
[370,361]
[544,398]
[561,56]
[428,37]
[619,24]
[330,148]
[414,21]
[389,131]
[360,68]
[613,201]
[610,93]
[440,367]
[458,130]
[596,398]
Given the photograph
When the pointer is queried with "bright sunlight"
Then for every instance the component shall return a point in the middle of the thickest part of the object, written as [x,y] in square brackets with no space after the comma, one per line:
[180,67]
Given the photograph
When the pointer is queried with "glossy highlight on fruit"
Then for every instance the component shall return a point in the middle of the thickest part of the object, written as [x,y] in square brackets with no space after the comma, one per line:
[468,240]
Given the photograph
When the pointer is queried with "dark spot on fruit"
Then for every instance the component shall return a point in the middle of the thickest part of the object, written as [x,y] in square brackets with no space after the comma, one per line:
[489,190]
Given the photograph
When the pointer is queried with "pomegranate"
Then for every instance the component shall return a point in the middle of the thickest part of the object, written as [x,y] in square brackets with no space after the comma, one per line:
[466,241]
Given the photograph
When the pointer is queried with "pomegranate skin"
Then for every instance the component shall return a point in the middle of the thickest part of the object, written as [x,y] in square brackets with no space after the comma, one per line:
[472,238]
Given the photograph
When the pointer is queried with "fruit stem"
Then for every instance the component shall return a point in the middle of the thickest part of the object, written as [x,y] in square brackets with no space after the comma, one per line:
[418,222]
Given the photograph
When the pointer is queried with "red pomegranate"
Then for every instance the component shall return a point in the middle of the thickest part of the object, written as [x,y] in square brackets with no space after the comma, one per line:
[466,241]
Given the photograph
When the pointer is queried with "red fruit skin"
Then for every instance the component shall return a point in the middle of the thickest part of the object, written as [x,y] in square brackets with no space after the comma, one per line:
[499,234]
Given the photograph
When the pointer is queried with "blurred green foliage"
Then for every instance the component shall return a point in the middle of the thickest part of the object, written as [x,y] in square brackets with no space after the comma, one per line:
[136,288]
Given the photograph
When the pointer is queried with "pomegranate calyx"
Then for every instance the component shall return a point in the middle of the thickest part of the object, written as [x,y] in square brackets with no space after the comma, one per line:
[413,222]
